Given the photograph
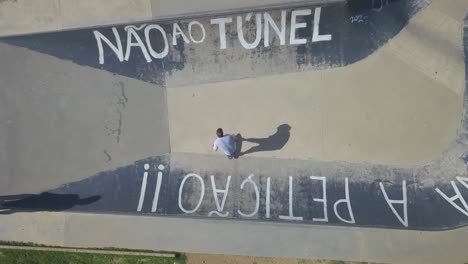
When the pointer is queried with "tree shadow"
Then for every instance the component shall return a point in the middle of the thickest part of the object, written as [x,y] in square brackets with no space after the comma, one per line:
[43,202]
[274,142]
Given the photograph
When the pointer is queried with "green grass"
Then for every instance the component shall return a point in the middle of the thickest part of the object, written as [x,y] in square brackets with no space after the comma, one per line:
[17,256]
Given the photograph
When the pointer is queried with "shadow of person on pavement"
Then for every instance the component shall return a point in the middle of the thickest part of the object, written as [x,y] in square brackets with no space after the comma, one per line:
[271,143]
[43,202]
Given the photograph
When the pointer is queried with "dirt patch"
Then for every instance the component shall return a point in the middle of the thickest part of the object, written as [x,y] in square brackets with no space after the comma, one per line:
[222,259]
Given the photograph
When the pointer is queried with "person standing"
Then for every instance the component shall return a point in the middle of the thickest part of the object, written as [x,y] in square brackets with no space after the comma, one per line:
[227,143]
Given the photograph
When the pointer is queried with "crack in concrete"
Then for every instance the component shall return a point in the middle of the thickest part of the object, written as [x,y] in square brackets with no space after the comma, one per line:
[108,156]
[121,102]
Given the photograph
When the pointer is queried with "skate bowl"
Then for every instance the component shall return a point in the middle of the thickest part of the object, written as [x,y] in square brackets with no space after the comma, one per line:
[374,95]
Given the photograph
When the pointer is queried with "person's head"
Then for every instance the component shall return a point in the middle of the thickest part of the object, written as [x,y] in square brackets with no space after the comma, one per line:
[219,132]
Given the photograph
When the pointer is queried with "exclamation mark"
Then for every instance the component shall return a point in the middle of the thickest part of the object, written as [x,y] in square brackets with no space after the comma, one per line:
[143,188]
[158,188]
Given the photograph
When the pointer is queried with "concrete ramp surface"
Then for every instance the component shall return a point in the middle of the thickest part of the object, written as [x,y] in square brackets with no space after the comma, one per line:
[351,113]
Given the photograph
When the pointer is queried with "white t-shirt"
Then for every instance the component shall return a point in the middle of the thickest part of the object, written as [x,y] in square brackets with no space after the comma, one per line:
[226,144]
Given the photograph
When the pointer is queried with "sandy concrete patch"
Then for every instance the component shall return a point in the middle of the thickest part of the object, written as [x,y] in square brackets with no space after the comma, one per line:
[224,259]
[360,113]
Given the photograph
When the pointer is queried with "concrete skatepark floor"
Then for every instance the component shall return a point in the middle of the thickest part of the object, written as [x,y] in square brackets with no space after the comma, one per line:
[349,118]
[375,103]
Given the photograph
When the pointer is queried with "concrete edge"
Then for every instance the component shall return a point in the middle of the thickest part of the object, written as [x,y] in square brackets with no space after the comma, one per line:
[254,8]
[92,251]
[245,238]
[182,15]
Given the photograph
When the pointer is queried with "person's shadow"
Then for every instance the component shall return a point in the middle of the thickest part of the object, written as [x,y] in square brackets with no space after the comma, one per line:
[271,143]
[43,202]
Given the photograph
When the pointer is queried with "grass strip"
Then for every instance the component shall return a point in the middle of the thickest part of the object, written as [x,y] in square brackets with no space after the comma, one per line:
[50,256]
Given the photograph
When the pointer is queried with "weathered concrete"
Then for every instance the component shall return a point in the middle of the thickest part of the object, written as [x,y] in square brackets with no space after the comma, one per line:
[236,238]
[360,113]
[23,16]
[32,122]
[342,115]
[62,122]
[180,8]
[284,188]
[347,113]
[364,115]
